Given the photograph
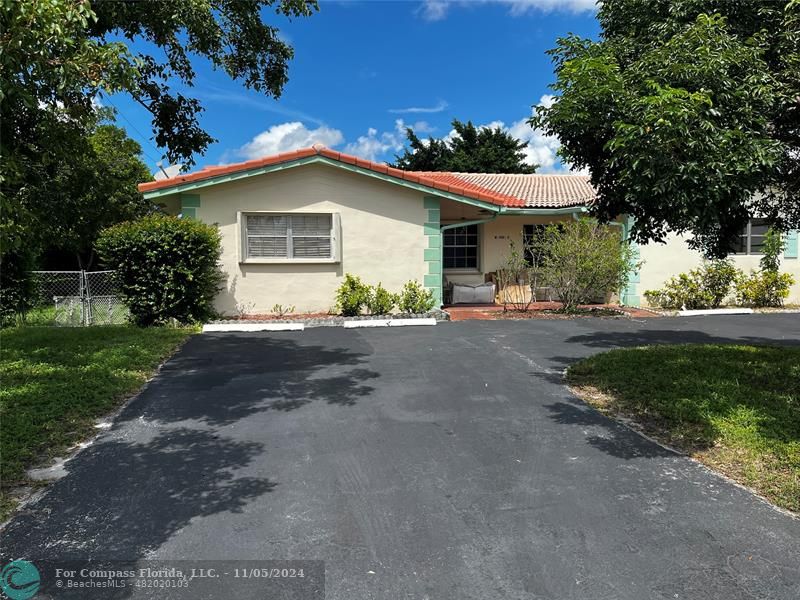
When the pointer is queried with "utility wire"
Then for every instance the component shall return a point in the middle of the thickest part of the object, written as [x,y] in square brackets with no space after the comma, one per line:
[136,129]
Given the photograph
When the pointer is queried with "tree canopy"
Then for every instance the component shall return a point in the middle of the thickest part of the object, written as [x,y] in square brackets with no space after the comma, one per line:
[94,190]
[469,149]
[687,114]
[56,56]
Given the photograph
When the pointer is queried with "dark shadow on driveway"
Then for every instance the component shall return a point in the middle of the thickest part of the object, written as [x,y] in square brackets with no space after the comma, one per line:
[220,379]
[171,456]
[609,437]
[124,498]
[649,337]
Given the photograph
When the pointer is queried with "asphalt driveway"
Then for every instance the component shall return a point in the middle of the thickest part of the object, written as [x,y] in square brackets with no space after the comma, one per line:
[442,462]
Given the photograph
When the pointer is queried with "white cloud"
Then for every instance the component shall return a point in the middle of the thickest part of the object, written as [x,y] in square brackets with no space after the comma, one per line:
[418,127]
[547,100]
[439,107]
[289,136]
[541,149]
[519,7]
[433,10]
[436,10]
[374,145]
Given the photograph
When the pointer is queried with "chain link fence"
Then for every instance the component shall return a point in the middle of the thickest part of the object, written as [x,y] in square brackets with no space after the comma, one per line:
[76,298]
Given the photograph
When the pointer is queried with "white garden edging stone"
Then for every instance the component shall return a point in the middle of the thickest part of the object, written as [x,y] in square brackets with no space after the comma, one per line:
[225,327]
[388,323]
[715,311]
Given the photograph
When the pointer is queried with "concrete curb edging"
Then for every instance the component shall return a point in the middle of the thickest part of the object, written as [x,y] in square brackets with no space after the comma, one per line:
[388,323]
[300,326]
[715,311]
[225,327]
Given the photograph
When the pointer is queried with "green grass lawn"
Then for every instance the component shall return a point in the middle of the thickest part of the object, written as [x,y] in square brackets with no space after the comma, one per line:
[735,408]
[57,381]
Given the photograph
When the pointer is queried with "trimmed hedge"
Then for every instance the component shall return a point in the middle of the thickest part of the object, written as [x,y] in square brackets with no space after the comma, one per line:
[167,267]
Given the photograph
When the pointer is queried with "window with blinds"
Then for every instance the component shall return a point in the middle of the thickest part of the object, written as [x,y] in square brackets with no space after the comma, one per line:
[289,236]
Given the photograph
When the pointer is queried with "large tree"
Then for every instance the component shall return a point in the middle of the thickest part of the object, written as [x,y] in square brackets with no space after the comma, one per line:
[95,189]
[468,149]
[57,55]
[686,113]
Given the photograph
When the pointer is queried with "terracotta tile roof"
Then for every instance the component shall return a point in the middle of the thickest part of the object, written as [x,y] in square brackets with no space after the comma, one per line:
[513,191]
[529,191]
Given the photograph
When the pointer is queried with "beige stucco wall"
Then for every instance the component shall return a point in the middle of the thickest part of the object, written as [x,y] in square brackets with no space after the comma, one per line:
[381,236]
[662,261]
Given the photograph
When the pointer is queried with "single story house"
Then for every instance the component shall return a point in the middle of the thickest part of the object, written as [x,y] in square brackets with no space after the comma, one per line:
[293,224]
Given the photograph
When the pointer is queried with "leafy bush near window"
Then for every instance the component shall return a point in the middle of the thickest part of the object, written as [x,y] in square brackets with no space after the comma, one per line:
[167,268]
[705,287]
[352,295]
[716,280]
[415,299]
[763,289]
[581,259]
[380,301]
[766,287]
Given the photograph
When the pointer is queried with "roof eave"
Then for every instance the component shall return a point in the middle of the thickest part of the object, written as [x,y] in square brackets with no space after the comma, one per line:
[180,188]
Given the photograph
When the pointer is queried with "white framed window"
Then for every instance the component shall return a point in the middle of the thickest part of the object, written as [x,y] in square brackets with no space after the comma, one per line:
[290,237]
[751,240]
[460,248]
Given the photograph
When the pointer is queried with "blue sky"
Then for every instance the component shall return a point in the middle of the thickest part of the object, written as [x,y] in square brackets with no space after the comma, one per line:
[363,70]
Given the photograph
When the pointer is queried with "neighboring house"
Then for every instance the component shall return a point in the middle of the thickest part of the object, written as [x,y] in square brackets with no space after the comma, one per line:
[293,224]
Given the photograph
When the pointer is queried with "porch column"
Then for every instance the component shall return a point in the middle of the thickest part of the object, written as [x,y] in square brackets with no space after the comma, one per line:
[630,296]
[433,249]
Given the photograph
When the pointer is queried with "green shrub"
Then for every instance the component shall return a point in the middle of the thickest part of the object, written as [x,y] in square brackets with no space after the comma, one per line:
[17,285]
[583,259]
[685,290]
[718,277]
[351,296]
[773,248]
[667,297]
[766,287]
[167,268]
[763,288]
[706,287]
[415,299]
[380,301]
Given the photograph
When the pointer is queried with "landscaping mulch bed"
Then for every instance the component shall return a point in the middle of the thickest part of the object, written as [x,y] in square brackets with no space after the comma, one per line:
[544,310]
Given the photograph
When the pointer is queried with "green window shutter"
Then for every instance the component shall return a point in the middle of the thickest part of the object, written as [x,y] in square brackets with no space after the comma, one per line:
[791,244]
